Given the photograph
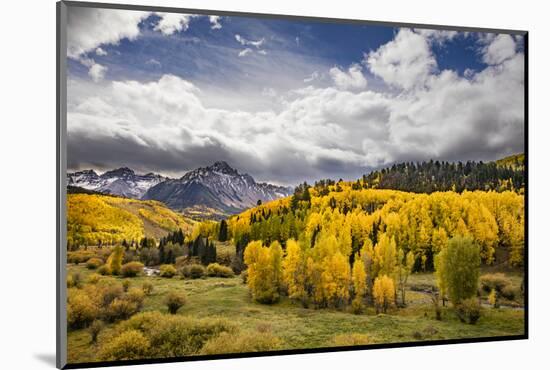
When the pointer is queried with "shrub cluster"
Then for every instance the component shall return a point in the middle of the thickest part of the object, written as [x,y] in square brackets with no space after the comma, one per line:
[193,271]
[147,288]
[81,308]
[74,280]
[239,342]
[499,283]
[94,263]
[104,270]
[156,335]
[79,256]
[167,271]
[131,269]
[469,310]
[105,302]
[93,278]
[174,300]
[217,270]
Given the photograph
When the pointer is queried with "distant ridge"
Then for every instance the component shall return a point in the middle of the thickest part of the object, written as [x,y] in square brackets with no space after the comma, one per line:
[218,187]
[121,181]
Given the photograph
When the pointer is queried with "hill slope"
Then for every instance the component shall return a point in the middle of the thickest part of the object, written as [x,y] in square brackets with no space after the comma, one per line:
[101,219]
[516,161]
[427,177]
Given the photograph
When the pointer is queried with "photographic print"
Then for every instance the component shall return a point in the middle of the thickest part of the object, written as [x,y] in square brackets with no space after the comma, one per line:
[241,184]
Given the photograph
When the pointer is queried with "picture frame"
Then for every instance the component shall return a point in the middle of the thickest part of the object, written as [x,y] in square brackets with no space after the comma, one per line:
[63,139]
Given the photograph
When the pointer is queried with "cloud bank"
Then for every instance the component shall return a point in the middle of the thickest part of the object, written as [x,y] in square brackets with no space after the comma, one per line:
[340,130]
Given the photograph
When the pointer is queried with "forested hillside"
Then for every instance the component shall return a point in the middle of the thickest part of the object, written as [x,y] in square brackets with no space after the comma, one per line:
[100,219]
[427,177]
[514,161]
[349,219]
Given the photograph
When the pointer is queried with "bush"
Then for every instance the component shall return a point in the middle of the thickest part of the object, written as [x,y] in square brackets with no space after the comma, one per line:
[80,256]
[167,271]
[129,345]
[194,271]
[241,342]
[175,335]
[181,261]
[110,293]
[131,269]
[120,309]
[136,296]
[125,285]
[351,339]
[174,300]
[508,292]
[95,329]
[497,281]
[93,263]
[81,309]
[215,269]
[469,310]
[147,288]
[74,280]
[93,278]
[104,270]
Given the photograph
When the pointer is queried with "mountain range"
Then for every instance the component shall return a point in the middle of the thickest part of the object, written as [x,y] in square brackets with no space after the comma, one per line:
[218,188]
[121,181]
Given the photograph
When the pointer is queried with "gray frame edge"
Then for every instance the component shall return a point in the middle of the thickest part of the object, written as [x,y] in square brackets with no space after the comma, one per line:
[152,8]
[61,195]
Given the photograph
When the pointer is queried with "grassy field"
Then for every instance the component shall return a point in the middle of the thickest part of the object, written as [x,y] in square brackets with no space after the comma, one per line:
[309,328]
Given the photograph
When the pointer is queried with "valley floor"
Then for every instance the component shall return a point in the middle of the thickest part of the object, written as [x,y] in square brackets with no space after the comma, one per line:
[301,328]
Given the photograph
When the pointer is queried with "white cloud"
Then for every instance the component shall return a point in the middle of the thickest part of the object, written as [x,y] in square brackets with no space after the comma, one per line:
[215,22]
[100,52]
[269,92]
[438,36]
[153,62]
[499,49]
[241,40]
[405,62]
[353,79]
[315,75]
[88,28]
[170,23]
[245,52]
[97,72]
[262,52]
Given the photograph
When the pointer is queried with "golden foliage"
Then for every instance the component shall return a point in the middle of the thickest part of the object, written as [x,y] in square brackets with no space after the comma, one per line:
[384,292]
[101,219]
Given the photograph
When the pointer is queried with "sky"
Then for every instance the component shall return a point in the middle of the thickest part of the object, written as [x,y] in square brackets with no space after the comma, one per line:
[286,101]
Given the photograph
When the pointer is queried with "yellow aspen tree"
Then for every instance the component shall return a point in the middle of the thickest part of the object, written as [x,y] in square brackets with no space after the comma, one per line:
[384,293]
[276,259]
[385,255]
[295,271]
[439,239]
[359,278]
[404,268]
[367,256]
[115,260]
[264,271]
